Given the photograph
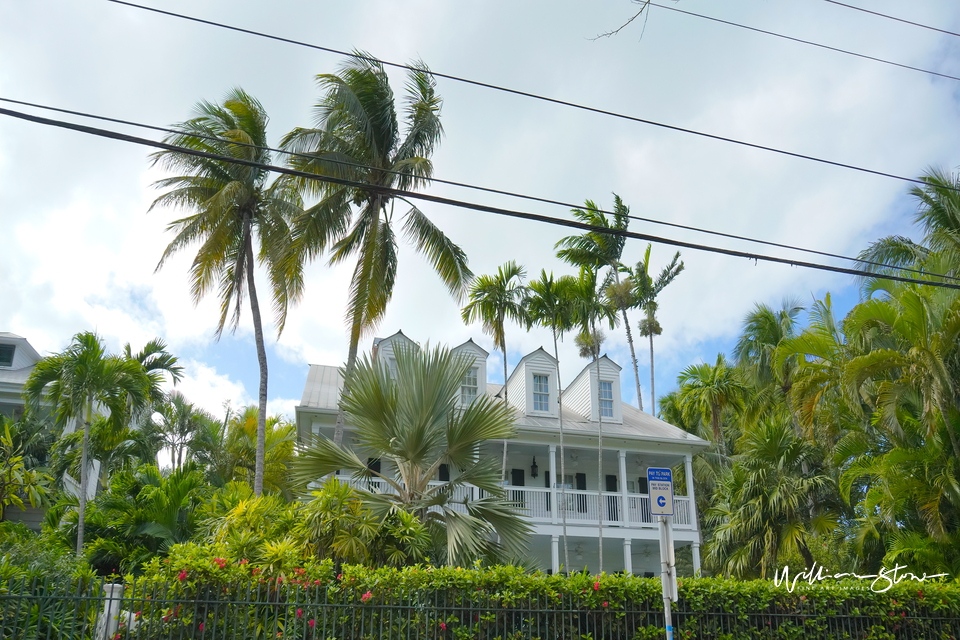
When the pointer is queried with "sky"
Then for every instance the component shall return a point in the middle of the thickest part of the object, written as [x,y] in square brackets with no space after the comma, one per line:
[80,249]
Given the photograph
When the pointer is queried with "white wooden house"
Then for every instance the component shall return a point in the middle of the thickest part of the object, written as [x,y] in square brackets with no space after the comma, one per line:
[632,442]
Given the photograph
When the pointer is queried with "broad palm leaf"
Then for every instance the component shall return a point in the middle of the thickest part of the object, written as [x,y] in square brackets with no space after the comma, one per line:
[357,137]
[232,207]
[414,424]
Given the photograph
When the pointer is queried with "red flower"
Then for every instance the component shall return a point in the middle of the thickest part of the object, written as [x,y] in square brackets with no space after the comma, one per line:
[596,586]
[366,596]
[339,576]
[312,623]
[903,614]
[443,625]
[316,582]
[220,562]
[606,604]
[299,613]
[200,627]
[183,575]
[244,561]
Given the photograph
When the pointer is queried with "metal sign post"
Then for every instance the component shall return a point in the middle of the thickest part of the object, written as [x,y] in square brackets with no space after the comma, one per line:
[660,487]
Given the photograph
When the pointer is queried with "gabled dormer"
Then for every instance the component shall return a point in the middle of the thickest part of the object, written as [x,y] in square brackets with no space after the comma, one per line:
[532,387]
[475,382]
[16,352]
[385,349]
[582,394]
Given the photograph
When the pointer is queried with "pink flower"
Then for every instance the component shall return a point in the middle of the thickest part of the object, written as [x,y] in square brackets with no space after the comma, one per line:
[244,561]
[183,575]
[339,576]
[200,627]
[606,604]
[443,625]
[366,596]
[299,613]
[312,623]
[596,586]
[220,562]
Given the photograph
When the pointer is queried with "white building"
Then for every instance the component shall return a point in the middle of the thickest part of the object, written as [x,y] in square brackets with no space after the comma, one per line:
[632,442]
[17,360]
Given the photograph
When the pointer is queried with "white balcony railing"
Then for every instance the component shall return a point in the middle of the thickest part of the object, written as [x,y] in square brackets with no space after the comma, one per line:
[580,507]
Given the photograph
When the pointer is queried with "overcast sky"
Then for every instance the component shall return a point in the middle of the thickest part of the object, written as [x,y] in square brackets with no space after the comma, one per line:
[79,248]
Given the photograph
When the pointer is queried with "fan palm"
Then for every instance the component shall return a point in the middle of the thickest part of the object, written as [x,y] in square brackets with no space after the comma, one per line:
[706,390]
[78,383]
[412,422]
[232,208]
[357,138]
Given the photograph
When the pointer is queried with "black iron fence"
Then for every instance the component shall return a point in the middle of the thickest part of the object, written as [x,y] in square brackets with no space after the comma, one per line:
[91,610]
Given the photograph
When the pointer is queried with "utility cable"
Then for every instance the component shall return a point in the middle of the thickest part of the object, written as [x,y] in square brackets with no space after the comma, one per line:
[484,189]
[802,41]
[883,15]
[527,94]
[405,194]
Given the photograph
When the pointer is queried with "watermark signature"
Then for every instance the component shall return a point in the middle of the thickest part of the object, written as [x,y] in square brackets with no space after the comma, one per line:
[881,582]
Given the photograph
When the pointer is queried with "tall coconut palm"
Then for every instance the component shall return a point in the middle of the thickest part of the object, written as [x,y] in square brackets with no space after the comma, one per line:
[550,304]
[81,382]
[412,421]
[602,250]
[232,208]
[645,292]
[357,137]
[494,299]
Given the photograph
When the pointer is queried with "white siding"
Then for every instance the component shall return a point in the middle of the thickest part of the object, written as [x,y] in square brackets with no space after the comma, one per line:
[581,395]
[387,348]
[469,349]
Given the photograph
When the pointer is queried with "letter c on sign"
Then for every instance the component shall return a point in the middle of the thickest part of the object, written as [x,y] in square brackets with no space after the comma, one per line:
[661,501]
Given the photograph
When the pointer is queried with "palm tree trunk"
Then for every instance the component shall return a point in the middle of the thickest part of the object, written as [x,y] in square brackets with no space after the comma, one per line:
[596,361]
[563,466]
[633,358]
[82,508]
[653,396]
[351,363]
[503,466]
[262,358]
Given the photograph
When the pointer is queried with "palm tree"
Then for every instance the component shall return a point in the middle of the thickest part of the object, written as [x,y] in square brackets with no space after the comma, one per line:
[241,445]
[706,390]
[357,138]
[79,381]
[494,300]
[645,292]
[179,424]
[232,208]
[412,421]
[601,249]
[550,304]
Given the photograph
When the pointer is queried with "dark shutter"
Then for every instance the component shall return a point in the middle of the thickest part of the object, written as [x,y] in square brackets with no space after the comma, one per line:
[444,473]
[373,464]
[581,480]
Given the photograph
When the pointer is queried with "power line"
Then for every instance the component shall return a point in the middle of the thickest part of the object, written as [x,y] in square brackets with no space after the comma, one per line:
[484,189]
[802,41]
[883,15]
[526,94]
[404,194]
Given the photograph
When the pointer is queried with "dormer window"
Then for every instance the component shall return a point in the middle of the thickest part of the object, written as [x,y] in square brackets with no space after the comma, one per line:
[6,355]
[541,392]
[468,388]
[606,398]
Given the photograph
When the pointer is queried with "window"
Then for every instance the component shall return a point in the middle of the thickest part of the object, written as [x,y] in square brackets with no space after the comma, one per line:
[541,392]
[468,388]
[606,398]
[6,355]
[392,365]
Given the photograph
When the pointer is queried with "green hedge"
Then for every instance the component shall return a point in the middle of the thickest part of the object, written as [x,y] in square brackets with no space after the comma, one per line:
[198,592]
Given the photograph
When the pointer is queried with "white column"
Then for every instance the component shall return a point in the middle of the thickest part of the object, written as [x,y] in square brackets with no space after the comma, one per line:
[555,554]
[628,556]
[625,511]
[553,483]
[694,518]
[696,559]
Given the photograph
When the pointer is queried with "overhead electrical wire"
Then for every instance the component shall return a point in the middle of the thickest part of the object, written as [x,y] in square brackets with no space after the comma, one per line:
[802,41]
[486,190]
[400,193]
[526,94]
[889,17]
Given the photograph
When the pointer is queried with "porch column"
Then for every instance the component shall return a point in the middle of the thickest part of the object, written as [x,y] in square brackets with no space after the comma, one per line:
[625,510]
[555,554]
[628,556]
[696,558]
[694,518]
[553,483]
